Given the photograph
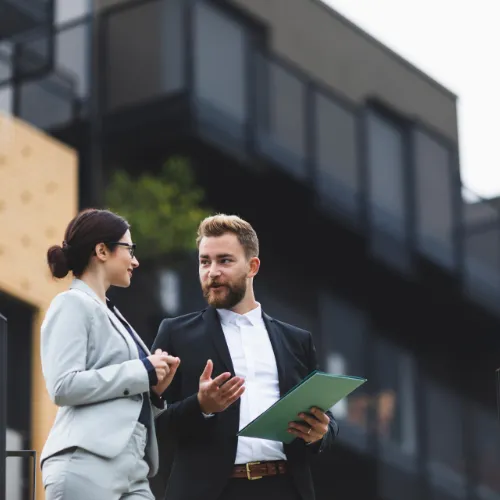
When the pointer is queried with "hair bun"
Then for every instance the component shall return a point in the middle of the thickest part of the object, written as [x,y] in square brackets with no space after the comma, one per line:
[58,261]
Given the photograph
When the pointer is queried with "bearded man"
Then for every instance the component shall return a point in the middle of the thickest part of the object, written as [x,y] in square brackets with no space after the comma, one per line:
[236,362]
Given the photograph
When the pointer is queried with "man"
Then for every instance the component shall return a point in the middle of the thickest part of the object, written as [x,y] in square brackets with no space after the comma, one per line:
[253,360]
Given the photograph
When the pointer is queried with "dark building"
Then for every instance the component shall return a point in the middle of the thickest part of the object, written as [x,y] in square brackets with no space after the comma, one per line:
[345,159]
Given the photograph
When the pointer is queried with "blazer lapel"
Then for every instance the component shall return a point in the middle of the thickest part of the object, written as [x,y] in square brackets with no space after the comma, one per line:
[123,332]
[83,287]
[216,334]
[280,351]
[136,335]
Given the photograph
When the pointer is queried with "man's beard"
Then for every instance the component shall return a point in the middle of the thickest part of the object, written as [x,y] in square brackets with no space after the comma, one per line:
[228,296]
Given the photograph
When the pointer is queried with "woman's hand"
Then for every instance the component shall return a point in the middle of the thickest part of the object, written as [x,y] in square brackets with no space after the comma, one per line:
[167,368]
[160,365]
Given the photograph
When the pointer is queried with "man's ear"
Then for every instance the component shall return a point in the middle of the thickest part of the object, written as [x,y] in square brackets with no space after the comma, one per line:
[254,267]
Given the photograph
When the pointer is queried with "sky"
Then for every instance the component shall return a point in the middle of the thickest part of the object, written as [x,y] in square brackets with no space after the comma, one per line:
[457,43]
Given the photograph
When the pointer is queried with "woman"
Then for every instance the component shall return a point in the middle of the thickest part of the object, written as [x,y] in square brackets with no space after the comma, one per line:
[102,444]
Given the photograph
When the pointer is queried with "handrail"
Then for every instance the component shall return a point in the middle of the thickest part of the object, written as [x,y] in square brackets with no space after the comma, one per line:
[3,404]
[4,454]
[26,454]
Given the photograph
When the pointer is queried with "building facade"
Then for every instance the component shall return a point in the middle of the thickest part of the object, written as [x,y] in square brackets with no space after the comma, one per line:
[345,159]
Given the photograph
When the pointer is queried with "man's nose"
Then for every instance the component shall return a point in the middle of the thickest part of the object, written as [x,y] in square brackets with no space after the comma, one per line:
[213,271]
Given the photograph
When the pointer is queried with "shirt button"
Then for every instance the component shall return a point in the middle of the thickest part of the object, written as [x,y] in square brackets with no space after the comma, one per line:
[126,392]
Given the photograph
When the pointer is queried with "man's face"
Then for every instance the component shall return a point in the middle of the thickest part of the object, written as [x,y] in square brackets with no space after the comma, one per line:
[224,270]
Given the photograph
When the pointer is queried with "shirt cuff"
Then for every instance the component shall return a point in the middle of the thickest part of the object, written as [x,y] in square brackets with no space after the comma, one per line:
[153,379]
[157,400]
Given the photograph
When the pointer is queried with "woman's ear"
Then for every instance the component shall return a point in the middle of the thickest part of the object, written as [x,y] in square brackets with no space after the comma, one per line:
[101,251]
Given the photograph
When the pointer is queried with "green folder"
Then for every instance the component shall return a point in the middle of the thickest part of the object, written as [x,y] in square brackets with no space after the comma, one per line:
[319,389]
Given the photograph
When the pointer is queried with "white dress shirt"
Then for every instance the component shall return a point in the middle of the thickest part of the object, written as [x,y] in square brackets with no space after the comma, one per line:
[253,359]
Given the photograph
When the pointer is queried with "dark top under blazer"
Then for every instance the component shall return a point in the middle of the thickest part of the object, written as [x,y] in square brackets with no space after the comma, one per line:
[145,415]
[206,447]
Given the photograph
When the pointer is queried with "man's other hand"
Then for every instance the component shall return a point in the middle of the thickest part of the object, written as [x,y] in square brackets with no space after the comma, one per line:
[215,395]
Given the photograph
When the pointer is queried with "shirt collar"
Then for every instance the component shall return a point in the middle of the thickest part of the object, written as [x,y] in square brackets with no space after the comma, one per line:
[227,316]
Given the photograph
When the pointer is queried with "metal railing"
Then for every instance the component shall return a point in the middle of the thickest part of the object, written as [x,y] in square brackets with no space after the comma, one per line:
[26,454]
[22,17]
[3,404]
[4,454]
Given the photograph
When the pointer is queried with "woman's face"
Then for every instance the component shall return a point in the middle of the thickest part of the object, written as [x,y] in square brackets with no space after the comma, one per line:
[121,262]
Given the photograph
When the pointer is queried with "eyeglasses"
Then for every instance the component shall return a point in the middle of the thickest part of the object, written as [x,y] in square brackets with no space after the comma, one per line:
[131,247]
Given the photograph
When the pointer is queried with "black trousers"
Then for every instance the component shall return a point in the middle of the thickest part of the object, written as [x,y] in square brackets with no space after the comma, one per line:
[267,488]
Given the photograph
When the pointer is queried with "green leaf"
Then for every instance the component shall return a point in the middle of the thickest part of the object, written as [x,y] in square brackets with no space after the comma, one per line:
[163,210]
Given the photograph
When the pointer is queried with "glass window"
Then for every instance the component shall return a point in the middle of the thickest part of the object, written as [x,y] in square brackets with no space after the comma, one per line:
[47,102]
[281,115]
[343,336]
[444,439]
[34,55]
[387,201]
[482,253]
[395,404]
[5,61]
[6,92]
[337,180]
[141,68]
[68,11]
[487,453]
[434,199]
[6,98]
[220,58]
[169,291]
[72,49]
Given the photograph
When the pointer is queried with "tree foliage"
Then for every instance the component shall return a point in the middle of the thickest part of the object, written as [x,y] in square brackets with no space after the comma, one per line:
[163,210]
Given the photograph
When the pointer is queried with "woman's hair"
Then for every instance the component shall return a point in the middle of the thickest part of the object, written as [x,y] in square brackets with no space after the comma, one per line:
[89,228]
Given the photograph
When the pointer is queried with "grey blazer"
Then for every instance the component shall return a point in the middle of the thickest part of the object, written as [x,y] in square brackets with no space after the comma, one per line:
[93,373]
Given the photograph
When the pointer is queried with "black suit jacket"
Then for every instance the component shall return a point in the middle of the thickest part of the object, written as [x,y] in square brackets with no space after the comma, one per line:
[205,448]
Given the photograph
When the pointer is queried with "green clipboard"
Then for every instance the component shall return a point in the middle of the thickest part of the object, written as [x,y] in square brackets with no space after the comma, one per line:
[319,389]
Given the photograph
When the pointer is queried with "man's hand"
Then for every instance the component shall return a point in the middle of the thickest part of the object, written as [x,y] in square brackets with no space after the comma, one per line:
[215,395]
[166,370]
[314,428]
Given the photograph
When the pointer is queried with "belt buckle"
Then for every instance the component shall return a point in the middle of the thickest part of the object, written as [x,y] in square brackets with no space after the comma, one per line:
[249,476]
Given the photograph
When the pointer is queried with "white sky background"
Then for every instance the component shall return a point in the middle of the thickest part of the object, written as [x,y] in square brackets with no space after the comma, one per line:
[457,43]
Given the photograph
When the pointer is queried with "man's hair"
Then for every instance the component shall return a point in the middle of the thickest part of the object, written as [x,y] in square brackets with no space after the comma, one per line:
[220,224]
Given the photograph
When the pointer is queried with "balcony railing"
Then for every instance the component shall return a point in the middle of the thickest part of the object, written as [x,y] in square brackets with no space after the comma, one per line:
[363,165]
[21,16]
[48,96]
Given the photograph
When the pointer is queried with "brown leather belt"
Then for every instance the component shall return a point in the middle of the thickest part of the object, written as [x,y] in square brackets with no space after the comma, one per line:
[257,470]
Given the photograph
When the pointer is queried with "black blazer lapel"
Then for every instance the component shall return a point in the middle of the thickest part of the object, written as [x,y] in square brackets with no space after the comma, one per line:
[215,333]
[280,351]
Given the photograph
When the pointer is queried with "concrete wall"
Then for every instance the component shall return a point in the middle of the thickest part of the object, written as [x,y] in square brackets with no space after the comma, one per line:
[340,55]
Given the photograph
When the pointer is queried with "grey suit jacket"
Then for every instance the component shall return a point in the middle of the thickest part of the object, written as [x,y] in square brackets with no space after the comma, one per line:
[93,373]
